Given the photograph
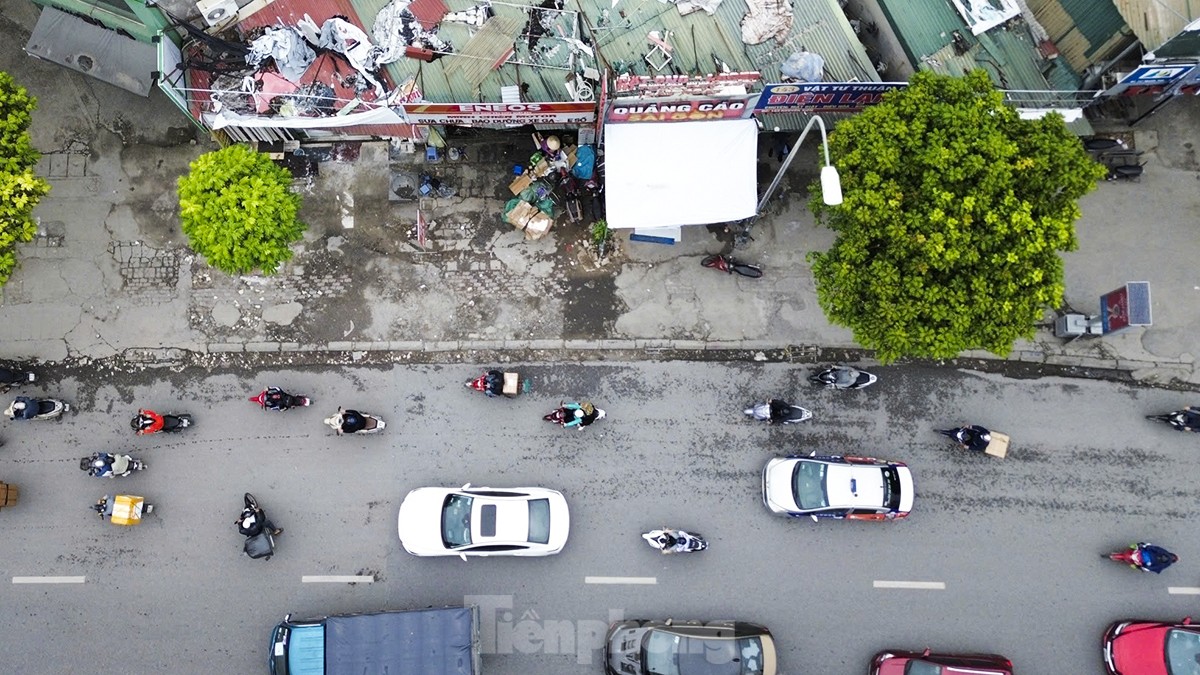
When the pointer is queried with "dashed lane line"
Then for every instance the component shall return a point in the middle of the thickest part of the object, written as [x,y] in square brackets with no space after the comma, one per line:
[1183,590]
[912,585]
[350,579]
[642,581]
[48,580]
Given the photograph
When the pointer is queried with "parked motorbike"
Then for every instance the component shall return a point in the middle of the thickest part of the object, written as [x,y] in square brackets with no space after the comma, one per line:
[675,541]
[122,509]
[776,411]
[258,530]
[578,415]
[433,186]
[1187,419]
[10,378]
[498,383]
[355,422]
[26,408]
[106,465]
[149,422]
[724,263]
[274,398]
[843,377]
[1145,556]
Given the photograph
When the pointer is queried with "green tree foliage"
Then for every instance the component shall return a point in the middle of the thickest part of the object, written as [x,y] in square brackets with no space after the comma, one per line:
[20,188]
[954,213]
[238,210]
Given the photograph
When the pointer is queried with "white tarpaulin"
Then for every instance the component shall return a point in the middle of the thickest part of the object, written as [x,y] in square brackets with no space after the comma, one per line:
[665,174]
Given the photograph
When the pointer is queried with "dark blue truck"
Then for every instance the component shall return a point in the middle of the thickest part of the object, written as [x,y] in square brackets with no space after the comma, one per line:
[432,641]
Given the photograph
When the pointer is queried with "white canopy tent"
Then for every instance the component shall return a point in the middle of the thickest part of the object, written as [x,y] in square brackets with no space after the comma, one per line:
[668,174]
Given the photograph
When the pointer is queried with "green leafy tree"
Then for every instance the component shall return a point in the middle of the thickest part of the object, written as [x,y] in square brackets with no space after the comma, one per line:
[20,188]
[954,214]
[238,210]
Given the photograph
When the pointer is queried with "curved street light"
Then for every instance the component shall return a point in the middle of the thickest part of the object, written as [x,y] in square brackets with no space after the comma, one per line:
[831,183]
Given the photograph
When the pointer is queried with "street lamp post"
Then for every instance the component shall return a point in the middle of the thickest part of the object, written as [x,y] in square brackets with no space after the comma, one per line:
[831,184]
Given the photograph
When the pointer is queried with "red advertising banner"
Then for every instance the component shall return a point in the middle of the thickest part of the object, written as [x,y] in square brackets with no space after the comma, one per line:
[1114,310]
[499,113]
[677,111]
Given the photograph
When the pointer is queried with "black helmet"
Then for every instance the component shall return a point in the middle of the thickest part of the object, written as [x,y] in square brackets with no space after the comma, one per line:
[85,464]
[135,423]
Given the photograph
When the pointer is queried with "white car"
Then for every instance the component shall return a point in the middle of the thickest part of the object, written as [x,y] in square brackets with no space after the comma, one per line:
[482,521]
[831,486]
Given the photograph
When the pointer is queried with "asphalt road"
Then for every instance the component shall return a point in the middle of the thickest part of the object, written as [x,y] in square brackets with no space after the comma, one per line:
[1016,543]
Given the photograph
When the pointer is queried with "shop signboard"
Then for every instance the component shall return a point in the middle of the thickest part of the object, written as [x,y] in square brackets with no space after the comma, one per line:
[815,97]
[467,114]
[1150,80]
[689,110]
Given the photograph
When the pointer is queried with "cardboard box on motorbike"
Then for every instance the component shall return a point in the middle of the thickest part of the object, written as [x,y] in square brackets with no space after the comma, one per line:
[8,495]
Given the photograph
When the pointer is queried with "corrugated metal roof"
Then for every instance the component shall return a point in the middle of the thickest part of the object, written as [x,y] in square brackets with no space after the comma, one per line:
[1156,21]
[1085,32]
[925,29]
[818,25]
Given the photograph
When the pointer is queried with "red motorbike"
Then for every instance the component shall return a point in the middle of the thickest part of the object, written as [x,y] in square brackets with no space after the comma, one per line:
[274,398]
[1145,557]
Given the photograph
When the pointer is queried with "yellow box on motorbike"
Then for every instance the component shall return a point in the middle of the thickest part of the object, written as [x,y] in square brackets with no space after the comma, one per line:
[127,510]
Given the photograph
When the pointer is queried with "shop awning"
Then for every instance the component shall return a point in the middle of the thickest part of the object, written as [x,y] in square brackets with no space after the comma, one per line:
[666,174]
[94,50]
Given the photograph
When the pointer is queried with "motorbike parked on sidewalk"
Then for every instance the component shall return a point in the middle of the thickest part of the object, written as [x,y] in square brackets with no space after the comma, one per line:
[1187,419]
[26,408]
[274,398]
[258,530]
[355,422]
[578,415]
[10,378]
[147,422]
[776,411]
[671,541]
[1144,556]
[107,465]
[843,377]
[724,263]
[497,383]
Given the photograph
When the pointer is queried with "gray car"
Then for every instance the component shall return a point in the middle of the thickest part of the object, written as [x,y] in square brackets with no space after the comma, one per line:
[647,647]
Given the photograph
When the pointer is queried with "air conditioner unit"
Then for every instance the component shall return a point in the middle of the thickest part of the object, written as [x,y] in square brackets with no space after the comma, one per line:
[217,12]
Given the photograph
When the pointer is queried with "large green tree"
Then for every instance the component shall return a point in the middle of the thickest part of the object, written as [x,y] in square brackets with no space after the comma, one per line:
[238,210]
[20,188]
[954,214]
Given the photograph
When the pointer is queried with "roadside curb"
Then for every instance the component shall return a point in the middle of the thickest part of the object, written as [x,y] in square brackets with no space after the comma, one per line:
[1027,364]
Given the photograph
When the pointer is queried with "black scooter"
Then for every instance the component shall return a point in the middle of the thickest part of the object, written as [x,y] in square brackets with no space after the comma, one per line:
[258,530]
[10,378]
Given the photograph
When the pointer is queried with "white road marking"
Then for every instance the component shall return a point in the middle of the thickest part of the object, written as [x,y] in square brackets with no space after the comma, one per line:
[1183,590]
[48,580]
[646,581]
[351,579]
[921,585]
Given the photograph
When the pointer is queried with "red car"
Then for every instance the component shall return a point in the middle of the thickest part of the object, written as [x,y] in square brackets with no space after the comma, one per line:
[1152,648]
[895,662]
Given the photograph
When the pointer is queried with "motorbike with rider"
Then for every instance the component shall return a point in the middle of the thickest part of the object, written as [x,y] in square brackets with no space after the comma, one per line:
[149,422]
[108,465]
[572,414]
[778,411]
[1146,557]
[355,422]
[670,541]
[27,408]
